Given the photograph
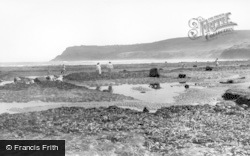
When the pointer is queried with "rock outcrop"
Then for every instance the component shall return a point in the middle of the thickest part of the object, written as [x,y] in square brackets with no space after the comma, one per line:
[240,96]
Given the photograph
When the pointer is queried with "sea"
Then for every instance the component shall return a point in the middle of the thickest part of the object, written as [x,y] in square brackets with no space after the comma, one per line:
[93,62]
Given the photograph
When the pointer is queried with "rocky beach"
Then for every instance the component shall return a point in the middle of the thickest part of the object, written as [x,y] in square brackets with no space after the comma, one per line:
[202,113]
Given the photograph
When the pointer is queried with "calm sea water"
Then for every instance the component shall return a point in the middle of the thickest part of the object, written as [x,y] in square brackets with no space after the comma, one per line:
[21,64]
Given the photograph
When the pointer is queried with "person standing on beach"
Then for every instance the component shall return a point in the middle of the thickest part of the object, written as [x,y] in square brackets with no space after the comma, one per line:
[98,68]
[110,67]
[63,69]
[183,65]
[216,62]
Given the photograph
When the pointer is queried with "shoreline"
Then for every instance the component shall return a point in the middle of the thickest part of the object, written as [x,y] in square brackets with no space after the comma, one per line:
[115,62]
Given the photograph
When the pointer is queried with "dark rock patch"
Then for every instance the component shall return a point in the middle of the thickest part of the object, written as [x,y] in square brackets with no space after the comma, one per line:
[208,68]
[155,85]
[154,72]
[240,96]
[228,82]
[145,110]
[182,76]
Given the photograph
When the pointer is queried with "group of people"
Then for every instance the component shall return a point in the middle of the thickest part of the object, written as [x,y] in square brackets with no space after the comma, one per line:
[110,67]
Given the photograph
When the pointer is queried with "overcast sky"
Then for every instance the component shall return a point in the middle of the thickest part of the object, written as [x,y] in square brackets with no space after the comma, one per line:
[39,30]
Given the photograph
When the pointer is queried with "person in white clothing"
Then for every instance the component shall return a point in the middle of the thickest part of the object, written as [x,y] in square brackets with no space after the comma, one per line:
[216,62]
[110,67]
[63,69]
[98,69]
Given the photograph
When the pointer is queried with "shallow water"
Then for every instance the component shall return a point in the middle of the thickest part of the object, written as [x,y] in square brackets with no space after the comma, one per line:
[143,92]
[5,82]
[162,93]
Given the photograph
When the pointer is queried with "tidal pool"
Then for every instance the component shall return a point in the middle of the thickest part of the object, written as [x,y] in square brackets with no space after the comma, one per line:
[154,93]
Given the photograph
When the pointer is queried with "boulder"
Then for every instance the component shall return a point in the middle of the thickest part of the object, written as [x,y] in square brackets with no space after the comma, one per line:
[17,79]
[154,72]
[145,110]
[227,82]
[50,78]
[233,94]
[244,100]
[182,75]
[208,68]
[230,81]
[240,96]
[186,86]
[155,85]
[40,79]
[182,82]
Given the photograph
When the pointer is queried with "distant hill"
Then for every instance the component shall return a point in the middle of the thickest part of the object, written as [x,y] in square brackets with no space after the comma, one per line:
[223,46]
[239,51]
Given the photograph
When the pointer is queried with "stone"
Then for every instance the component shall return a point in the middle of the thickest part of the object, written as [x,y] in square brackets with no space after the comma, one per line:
[155,85]
[182,82]
[182,75]
[240,96]
[145,110]
[53,77]
[17,79]
[228,82]
[154,73]
[208,68]
[40,79]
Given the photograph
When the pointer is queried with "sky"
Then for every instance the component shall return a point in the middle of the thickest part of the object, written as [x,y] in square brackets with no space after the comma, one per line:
[39,30]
